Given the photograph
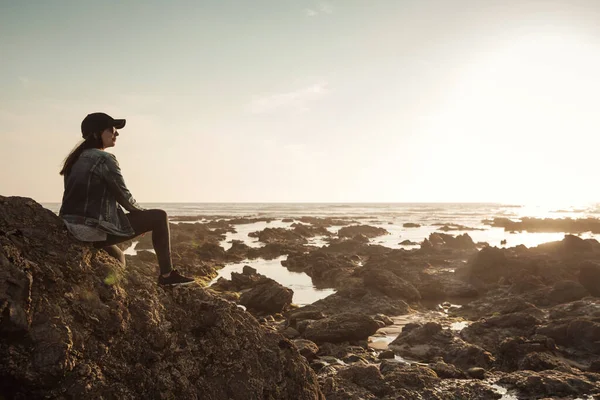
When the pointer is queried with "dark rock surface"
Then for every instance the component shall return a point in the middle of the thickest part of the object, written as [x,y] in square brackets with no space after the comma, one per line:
[75,324]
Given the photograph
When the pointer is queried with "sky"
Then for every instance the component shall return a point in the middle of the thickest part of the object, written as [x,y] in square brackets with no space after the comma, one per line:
[308,101]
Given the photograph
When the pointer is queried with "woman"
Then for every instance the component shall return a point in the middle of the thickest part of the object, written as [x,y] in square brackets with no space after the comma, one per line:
[93,187]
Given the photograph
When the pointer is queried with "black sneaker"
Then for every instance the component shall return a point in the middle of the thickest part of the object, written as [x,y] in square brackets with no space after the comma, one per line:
[175,278]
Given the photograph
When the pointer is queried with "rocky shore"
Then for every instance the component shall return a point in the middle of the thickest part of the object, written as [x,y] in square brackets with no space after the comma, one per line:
[452,319]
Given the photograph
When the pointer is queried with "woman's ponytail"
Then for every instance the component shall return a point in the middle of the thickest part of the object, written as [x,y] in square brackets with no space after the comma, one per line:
[92,142]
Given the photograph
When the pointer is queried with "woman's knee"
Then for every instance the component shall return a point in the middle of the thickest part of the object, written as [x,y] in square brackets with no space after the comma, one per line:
[159,215]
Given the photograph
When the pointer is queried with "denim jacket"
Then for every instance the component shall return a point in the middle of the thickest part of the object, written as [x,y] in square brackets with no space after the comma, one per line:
[92,190]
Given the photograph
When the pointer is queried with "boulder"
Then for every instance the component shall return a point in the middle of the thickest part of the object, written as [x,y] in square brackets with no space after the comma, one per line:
[270,297]
[341,328]
[566,292]
[589,277]
[366,230]
[307,348]
[390,284]
[76,324]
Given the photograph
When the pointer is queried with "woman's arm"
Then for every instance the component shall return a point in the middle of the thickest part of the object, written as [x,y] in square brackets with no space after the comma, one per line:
[116,184]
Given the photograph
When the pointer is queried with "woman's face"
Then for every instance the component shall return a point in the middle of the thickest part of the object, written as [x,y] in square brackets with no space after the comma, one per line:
[109,137]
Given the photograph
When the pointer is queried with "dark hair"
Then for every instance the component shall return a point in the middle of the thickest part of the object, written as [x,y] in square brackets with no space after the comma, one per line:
[92,142]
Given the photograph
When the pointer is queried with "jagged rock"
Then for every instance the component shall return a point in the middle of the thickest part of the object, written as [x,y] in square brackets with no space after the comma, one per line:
[490,332]
[567,291]
[290,333]
[366,230]
[359,300]
[408,243]
[368,377]
[551,383]
[429,341]
[513,350]
[589,277]
[308,231]
[579,332]
[390,284]
[443,240]
[341,328]
[279,235]
[248,279]
[447,371]
[270,297]
[542,361]
[296,316]
[411,225]
[476,372]
[76,324]
[410,376]
[307,348]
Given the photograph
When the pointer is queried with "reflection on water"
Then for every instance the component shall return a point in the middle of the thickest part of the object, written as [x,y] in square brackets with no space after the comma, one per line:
[304,290]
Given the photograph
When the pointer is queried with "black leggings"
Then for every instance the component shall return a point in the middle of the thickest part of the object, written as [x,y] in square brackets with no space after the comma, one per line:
[141,222]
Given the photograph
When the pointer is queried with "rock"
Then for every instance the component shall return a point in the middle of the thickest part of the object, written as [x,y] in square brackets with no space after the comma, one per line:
[476,373]
[278,235]
[302,325]
[512,351]
[557,384]
[366,230]
[211,251]
[408,243]
[384,318]
[411,225]
[386,354]
[447,371]
[542,361]
[269,297]
[248,279]
[390,284]
[309,231]
[99,330]
[300,315]
[567,291]
[577,333]
[428,342]
[146,256]
[307,348]
[368,377]
[341,328]
[413,376]
[290,333]
[594,366]
[589,277]
[460,242]
[490,332]
[361,300]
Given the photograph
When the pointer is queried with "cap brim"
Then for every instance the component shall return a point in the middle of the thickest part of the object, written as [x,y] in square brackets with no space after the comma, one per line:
[119,123]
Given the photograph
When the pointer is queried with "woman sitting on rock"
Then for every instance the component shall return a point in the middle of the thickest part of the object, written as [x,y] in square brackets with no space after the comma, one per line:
[93,187]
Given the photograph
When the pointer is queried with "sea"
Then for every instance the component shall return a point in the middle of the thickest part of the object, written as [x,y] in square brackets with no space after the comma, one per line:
[392,216]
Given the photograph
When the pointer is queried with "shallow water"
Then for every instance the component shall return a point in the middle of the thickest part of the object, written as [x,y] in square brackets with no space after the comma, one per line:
[304,290]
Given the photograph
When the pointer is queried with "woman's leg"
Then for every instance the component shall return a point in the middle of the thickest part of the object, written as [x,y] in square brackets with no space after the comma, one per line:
[155,221]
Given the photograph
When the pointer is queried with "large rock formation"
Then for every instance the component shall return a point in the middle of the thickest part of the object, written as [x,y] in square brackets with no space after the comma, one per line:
[76,324]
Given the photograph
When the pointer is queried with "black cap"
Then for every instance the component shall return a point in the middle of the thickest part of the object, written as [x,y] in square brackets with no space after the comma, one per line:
[98,122]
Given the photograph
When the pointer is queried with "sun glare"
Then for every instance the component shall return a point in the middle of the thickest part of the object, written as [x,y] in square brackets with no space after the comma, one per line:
[524,110]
